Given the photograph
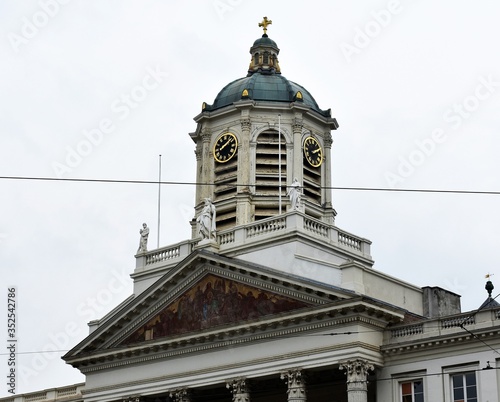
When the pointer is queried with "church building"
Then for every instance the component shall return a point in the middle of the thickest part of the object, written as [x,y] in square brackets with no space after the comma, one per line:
[270,301]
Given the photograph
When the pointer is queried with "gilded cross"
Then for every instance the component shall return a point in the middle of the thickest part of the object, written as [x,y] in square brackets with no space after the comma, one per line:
[265,22]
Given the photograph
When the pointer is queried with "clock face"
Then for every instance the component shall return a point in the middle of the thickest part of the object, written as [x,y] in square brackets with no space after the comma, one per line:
[313,152]
[225,147]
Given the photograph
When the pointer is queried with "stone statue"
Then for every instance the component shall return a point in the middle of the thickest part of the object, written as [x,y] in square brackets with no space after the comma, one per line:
[295,194]
[143,242]
[206,220]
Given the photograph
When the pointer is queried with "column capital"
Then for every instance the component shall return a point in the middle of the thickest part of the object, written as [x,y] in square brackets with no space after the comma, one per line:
[239,389]
[328,139]
[198,151]
[246,124]
[297,125]
[356,369]
[357,382]
[296,381]
[206,134]
[181,395]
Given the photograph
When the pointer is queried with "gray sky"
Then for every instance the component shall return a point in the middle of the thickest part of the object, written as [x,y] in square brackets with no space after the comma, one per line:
[98,89]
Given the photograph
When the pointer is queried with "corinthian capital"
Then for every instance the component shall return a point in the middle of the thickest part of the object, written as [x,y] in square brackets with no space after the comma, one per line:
[246,124]
[356,370]
[239,389]
[328,139]
[181,395]
[297,125]
[295,380]
[206,134]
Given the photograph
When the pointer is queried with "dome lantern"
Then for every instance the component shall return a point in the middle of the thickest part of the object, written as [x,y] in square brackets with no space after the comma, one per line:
[264,53]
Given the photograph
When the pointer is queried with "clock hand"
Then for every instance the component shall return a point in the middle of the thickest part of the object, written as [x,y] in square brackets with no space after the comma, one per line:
[316,151]
[227,142]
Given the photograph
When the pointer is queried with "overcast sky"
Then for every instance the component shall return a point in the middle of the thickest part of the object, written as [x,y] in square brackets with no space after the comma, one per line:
[98,89]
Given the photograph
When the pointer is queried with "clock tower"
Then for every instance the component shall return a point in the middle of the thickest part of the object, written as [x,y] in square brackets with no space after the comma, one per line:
[261,133]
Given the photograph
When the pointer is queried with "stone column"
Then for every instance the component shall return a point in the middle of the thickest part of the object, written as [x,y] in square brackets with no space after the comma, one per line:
[296,385]
[181,395]
[357,383]
[239,389]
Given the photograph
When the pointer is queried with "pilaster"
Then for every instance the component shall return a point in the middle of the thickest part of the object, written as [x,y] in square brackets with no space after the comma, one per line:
[207,167]
[357,379]
[326,182]
[243,209]
[297,169]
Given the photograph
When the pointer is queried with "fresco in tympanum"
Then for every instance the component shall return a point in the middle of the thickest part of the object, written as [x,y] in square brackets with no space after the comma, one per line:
[211,302]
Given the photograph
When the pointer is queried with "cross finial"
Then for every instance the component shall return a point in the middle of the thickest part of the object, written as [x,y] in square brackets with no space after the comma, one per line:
[265,22]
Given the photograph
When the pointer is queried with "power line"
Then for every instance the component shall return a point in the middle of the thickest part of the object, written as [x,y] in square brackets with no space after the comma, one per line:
[181,183]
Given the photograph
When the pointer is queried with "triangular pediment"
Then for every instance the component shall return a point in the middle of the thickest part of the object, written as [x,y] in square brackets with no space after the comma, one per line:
[210,297]
[211,302]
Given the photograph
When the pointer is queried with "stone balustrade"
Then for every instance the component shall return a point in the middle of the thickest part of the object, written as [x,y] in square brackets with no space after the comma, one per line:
[443,326]
[249,235]
[70,393]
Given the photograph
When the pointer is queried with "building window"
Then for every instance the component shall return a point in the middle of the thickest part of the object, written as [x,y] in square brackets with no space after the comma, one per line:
[412,391]
[266,58]
[464,387]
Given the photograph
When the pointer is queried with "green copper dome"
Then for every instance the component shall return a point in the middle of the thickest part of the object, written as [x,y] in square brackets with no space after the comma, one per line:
[265,87]
[265,41]
[264,82]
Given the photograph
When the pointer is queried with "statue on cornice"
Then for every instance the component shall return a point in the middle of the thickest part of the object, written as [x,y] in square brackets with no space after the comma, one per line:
[295,194]
[143,242]
[206,220]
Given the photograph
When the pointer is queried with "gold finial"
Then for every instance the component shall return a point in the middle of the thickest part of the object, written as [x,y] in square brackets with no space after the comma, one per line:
[265,22]
[488,275]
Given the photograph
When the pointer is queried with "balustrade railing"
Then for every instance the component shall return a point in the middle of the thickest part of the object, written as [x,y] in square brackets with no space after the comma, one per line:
[445,325]
[225,238]
[163,255]
[316,227]
[407,330]
[264,227]
[350,241]
[236,237]
[458,321]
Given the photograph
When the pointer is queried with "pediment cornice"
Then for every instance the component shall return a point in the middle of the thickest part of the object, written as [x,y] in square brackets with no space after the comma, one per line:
[319,306]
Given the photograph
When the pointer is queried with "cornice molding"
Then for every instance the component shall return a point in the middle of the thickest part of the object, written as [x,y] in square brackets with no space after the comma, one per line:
[447,340]
[314,319]
[256,364]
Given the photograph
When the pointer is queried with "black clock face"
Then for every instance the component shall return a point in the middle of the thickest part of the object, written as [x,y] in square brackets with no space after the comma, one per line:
[225,147]
[313,152]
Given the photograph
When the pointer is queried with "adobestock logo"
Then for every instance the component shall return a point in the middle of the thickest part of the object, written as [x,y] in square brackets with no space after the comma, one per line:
[30,27]
[454,115]
[221,7]
[61,341]
[373,28]
[122,106]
